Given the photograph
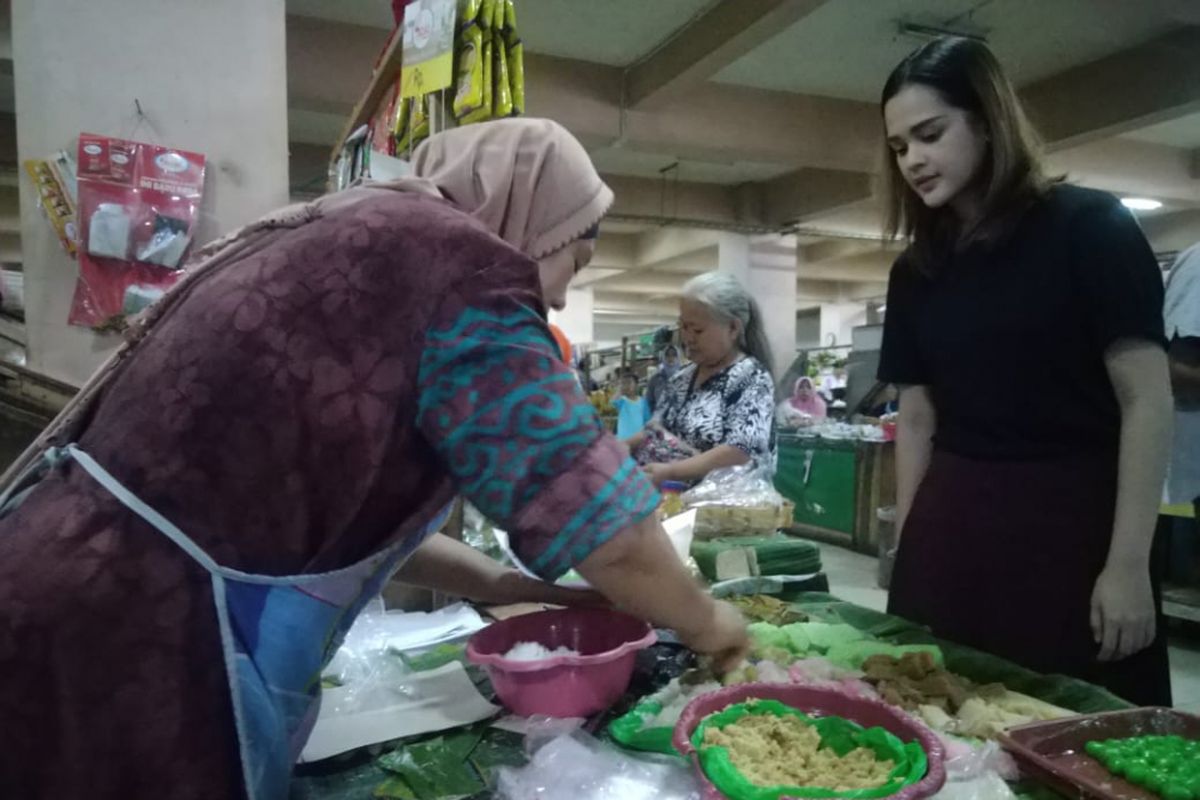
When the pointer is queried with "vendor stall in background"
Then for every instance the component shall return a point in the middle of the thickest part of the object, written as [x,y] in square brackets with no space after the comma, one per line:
[840,474]
[838,485]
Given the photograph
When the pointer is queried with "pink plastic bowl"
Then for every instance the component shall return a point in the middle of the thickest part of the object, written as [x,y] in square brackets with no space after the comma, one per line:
[817,703]
[562,686]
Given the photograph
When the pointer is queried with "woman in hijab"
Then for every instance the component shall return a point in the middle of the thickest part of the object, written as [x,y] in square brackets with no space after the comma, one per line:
[806,400]
[185,547]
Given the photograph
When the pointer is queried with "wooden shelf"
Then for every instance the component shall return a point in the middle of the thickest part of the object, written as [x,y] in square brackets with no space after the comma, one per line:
[384,77]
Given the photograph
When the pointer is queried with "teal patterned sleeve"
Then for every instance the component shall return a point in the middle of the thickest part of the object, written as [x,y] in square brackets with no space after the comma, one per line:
[513,428]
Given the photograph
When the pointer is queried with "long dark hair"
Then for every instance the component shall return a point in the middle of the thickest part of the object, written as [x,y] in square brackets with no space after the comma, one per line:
[967,76]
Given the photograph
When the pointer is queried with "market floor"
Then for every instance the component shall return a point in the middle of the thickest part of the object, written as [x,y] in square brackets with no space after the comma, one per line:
[852,577]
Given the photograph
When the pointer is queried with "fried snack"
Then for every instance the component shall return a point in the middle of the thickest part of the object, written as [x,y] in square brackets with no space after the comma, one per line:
[774,750]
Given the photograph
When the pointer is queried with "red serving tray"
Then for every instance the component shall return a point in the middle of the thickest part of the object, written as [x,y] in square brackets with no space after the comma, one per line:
[1053,752]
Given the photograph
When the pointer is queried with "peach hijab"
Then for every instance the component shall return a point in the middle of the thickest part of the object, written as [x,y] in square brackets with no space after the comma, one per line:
[529,181]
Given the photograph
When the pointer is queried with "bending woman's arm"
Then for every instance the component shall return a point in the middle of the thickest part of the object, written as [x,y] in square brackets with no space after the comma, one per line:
[1123,612]
[455,568]
[508,421]
[915,427]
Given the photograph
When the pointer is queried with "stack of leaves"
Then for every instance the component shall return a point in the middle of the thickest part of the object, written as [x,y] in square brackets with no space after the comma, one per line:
[774,555]
[459,764]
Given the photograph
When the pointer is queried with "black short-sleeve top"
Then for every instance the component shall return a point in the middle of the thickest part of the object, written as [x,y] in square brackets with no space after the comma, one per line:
[1011,338]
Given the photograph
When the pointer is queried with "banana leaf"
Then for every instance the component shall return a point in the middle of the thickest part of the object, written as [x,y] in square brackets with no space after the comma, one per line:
[437,769]
[497,749]
[395,788]
[355,783]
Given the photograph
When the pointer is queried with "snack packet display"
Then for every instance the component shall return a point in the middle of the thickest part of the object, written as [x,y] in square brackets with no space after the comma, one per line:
[468,97]
[502,91]
[56,200]
[516,58]
[138,205]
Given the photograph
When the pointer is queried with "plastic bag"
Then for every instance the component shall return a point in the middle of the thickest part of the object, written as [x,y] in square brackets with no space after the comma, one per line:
[577,765]
[738,501]
[748,485]
[966,761]
[987,786]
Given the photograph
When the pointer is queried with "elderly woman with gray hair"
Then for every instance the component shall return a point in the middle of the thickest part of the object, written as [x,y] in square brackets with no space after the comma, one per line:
[719,410]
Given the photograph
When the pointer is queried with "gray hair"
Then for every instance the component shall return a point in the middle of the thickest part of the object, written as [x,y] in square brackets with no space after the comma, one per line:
[724,296]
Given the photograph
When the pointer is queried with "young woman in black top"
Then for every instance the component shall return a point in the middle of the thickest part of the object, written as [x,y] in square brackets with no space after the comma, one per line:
[1027,524]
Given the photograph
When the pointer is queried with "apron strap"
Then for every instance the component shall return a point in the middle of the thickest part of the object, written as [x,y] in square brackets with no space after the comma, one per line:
[134,504]
[27,480]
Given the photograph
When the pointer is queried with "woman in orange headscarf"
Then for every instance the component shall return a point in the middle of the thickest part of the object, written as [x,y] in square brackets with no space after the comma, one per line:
[183,549]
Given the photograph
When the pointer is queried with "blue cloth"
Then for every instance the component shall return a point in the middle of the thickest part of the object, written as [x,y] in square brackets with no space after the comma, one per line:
[277,633]
[632,415]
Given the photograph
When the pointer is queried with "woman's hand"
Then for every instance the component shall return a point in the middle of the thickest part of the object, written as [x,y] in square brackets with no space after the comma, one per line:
[659,473]
[725,638]
[640,573]
[1123,615]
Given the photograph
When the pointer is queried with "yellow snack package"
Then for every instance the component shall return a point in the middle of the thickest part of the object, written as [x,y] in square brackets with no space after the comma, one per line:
[516,74]
[498,12]
[418,127]
[399,121]
[468,11]
[502,89]
[468,97]
[484,111]
[487,14]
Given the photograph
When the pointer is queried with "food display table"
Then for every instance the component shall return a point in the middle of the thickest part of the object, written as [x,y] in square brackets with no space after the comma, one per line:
[462,762]
[837,486]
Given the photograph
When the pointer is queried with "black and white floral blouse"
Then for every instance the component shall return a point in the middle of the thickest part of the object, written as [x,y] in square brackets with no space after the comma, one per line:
[735,407]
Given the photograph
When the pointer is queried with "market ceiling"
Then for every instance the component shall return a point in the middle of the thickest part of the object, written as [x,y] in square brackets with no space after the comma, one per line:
[760,115]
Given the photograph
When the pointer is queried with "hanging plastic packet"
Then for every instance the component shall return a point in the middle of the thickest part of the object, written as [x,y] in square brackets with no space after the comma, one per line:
[516,58]
[468,97]
[484,21]
[417,128]
[418,120]
[138,205]
[501,90]
[400,125]
[383,122]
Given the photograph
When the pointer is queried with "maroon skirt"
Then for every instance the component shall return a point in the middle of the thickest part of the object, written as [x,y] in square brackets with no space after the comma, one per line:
[1003,557]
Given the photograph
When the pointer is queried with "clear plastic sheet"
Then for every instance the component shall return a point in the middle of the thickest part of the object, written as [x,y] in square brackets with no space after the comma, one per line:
[987,786]
[370,695]
[369,662]
[967,761]
[576,765]
[748,485]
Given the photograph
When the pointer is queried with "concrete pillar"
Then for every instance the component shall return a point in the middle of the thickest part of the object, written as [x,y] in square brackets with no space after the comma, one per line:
[210,77]
[772,281]
[733,254]
[838,320]
[578,320]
